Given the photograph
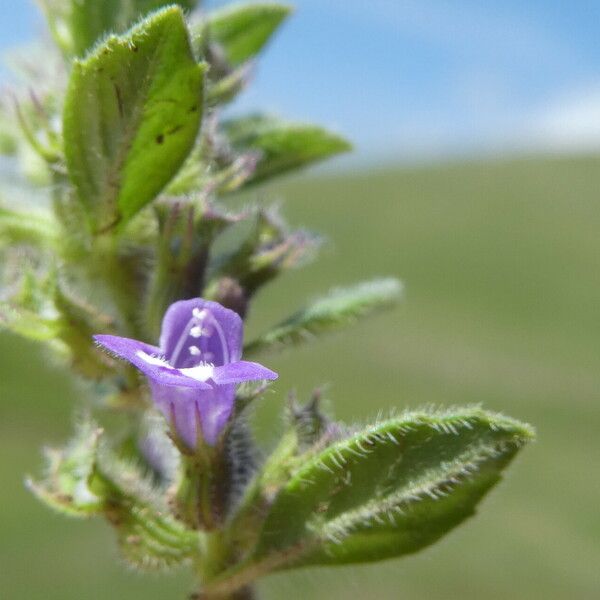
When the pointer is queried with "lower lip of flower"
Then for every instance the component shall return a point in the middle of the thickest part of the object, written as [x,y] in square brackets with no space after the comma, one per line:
[202,372]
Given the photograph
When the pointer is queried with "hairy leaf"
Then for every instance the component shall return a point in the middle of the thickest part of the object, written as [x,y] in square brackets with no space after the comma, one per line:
[78,24]
[28,324]
[132,112]
[36,228]
[149,537]
[67,486]
[390,489]
[85,479]
[329,313]
[151,541]
[222,90]
[283,146]
[241,30]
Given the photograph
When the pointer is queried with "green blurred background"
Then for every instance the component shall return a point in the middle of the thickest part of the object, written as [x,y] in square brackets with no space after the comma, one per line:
[500,263]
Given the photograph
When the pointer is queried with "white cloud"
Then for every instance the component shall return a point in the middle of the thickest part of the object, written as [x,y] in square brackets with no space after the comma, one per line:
[569,122]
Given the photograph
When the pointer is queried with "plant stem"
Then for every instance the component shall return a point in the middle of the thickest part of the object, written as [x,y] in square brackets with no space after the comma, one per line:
[216,558]
[246,593]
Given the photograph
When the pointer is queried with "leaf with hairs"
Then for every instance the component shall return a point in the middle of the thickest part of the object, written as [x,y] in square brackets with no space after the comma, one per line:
[389,490]
[132,112]
[392,488]
[240,30]
[77,25]
[332,312]
[283,146]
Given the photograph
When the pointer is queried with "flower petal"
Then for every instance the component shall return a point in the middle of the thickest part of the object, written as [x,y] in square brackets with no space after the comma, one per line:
[200,330]
[147,359]
[241,371]
[186,409]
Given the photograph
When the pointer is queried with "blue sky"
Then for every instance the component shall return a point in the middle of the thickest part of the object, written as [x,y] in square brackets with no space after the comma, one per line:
[412,79]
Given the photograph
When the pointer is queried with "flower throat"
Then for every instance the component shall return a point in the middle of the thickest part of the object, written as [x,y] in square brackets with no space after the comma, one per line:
[198,338]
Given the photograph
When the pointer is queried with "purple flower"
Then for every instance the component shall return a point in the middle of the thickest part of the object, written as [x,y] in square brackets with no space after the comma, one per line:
[194,372]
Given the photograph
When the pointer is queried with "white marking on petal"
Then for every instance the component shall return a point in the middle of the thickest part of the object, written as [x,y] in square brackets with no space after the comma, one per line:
[203,372]
[222,339]
[153,360]
[196,331]
[194,350]
[199,313]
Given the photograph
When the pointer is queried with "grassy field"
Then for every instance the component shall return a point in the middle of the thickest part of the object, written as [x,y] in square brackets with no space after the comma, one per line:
[500,262]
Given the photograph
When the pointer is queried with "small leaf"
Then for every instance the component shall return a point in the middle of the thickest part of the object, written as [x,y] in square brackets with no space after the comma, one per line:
[225,89]
[9,139]
[86,479]
[149,537]
[78,24]
[67,486]
[332,312]
[186,232]
[241,30]
[308,421]
[283,146]
[132,112]
[151,541]
[263,250]
[28,324]
[391,489]
[35,228]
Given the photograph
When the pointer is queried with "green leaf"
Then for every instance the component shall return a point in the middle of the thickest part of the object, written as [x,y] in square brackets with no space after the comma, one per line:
[67,486]
[307,432]
[151,541]
[78,24]
[390,489]
[29,324]
[35,227]
[309,422]
[186,232]
[265,248]
[86,479]
[149,537]
[9,141]
[241,30]
[283,146]
[225,89]
[132,112]
[339,309]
